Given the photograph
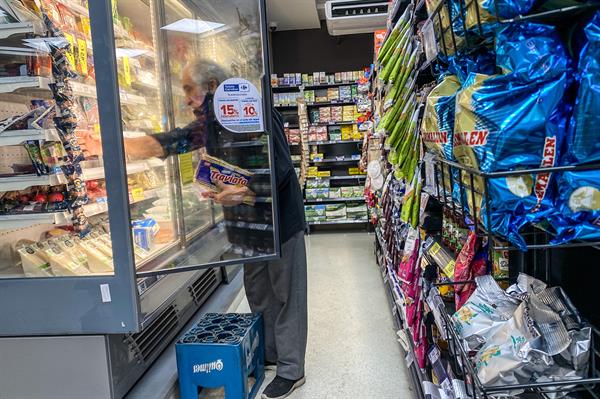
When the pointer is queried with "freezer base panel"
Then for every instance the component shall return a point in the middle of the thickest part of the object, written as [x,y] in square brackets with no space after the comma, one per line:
[100,366]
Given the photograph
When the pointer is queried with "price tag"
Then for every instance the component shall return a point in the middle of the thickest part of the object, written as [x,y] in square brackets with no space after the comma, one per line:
[137,194]
[429,41]
[449,269]
[82,56]
[411,240]
[126,70]
[70,53]
[186,168]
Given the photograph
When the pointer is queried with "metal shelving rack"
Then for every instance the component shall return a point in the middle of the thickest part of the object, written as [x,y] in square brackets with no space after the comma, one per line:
[451,36]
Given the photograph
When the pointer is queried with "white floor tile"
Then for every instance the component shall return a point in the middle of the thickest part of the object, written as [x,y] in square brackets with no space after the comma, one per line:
[352,350]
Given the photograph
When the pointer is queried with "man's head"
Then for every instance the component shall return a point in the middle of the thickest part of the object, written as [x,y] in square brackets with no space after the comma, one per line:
[201,77]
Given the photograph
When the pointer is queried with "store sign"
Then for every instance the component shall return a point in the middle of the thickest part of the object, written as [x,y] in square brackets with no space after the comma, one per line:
[238,106]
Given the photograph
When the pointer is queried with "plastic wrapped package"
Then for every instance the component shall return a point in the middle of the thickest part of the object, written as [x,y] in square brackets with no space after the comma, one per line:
[512,121]
[487,14]
[584,137]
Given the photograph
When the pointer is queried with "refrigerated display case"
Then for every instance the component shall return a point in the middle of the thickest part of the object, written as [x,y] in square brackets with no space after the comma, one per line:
[116,121]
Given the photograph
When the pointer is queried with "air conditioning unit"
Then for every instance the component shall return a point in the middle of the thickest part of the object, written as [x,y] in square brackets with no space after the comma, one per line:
[345,17]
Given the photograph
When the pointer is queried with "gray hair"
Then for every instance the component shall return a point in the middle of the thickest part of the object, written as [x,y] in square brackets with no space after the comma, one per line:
[203,72]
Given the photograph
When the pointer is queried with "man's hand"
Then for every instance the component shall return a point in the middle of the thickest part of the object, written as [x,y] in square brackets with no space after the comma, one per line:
[90,144]
[229,195]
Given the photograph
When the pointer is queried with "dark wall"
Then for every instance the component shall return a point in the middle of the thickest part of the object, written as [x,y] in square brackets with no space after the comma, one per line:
[312,50]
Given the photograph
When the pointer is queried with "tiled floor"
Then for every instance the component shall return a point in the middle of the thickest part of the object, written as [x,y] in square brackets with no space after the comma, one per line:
[352,349]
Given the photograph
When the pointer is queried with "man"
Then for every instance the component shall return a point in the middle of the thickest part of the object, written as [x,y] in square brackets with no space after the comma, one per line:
[277,289]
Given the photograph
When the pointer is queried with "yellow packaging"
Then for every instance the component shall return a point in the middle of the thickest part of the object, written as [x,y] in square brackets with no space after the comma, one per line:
[353,171]
[324,173]
[357,136]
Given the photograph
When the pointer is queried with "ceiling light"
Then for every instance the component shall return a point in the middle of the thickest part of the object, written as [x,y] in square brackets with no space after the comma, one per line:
[195,26]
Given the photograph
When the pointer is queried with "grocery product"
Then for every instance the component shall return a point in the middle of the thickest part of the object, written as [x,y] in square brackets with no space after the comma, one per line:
[212,170]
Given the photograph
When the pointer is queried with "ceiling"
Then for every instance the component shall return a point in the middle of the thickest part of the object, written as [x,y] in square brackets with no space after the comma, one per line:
[293,14]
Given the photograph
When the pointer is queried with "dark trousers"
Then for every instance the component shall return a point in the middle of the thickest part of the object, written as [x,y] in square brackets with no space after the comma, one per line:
[277,289]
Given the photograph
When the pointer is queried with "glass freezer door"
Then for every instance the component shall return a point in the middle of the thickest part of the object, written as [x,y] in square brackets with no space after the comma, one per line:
[214,185]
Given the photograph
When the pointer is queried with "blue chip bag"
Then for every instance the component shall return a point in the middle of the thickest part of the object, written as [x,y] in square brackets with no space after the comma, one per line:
[514,121]
[584,135]
[487,13]
[577,215]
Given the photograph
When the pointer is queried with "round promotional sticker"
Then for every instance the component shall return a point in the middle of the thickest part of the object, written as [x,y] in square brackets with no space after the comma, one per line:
[238,106]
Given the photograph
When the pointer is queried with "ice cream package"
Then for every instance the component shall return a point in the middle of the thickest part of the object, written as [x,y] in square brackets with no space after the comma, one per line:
[211,170]
[515,120]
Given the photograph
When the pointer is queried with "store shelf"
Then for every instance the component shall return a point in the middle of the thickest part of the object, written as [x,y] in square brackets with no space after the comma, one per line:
[333,123]
[336,142]
[337,161]
[86,90]
[23,182]
[338,177]
[353,199]
[260,171]
[330,103]
[347,221]
[16,137]
[9,222]
[98,172]
[312,87]
[24,83]
[287,106]
[17,28]
[250,226]
[254,143]
[98,208]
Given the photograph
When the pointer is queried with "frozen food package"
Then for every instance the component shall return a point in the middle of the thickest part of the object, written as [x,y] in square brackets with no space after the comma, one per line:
[212,170]
[64,264]
[33,263]
[488,308]
[584,137]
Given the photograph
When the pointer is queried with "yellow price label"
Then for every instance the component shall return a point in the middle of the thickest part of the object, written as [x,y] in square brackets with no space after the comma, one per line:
[186,168]
[137,194]
[126,70]
[70,53]
[449,269]
[82,56]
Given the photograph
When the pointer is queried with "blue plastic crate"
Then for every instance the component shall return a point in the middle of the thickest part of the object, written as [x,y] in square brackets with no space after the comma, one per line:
[222,350]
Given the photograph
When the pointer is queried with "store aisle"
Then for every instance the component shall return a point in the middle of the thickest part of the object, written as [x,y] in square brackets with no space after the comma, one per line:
[352,347]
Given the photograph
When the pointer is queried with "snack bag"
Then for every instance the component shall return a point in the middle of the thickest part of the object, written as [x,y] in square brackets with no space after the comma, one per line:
[211,169]
[577,212]
[488,308]
[438,119]
[485,11]
[523,345]
[584,137]
[512,121]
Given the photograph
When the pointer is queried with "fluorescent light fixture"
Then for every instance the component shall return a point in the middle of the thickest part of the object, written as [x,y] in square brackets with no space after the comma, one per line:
[130,52]
[195,26]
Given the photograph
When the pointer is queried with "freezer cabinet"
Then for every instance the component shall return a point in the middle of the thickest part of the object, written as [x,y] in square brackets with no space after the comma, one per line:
[134,146]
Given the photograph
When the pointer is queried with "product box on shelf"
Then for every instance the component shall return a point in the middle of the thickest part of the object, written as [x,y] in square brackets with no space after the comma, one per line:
[314,115]
[335,211]
[322,78]
[333,94]
[324,173]
[354,171]
[336,114]
[305,78]
[312,171]
[314,210]
[274,80]
[347,192]
[317,183]
[325,114]
[316,156]
[345,93]
[358,191]
[309,96]
[335,192]
[335,136]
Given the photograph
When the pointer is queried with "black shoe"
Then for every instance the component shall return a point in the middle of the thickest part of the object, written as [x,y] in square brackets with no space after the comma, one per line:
[270,365]
[281,387]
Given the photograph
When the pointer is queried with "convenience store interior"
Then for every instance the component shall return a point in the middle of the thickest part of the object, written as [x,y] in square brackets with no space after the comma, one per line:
[449,160]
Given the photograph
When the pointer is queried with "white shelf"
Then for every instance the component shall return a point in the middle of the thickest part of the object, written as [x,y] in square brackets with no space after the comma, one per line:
[86,90]
[345,221]
[17,28]
[8,222]
[16,137]
[98,172]
[26,181]
[19,83]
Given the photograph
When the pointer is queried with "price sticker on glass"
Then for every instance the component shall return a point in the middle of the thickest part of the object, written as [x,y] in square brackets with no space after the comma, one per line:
[238,106]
